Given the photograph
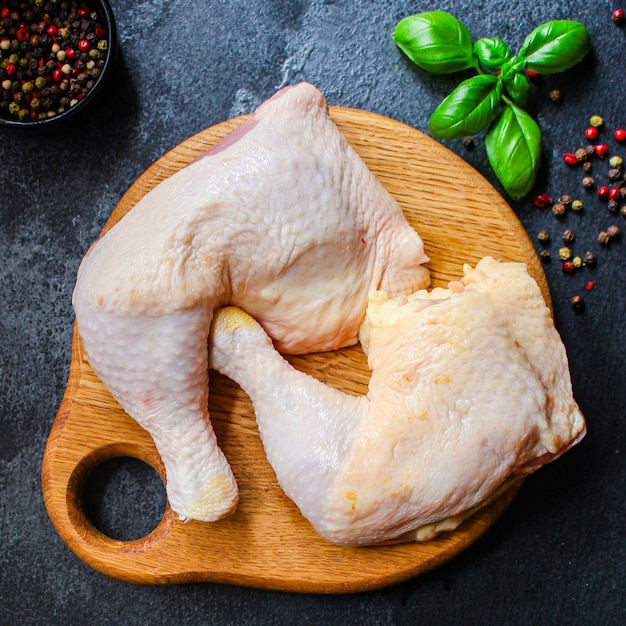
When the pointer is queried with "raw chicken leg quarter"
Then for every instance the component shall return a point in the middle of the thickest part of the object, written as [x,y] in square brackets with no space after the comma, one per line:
[282,219]
[469,389]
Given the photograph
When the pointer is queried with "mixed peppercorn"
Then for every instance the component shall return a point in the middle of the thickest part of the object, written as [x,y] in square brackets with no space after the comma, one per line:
[52,53]
[613,193]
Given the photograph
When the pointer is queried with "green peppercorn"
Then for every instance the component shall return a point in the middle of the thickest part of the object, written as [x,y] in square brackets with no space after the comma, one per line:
[94,53]
[616,162]
[577,205]
[102,44]
[40,82]
[565,253]
[596,121]
[577,262]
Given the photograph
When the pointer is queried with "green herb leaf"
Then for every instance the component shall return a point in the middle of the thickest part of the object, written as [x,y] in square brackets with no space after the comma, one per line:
[555,46]
[518,88]
[468,109]
[492,52]
[435,41]
[513,144]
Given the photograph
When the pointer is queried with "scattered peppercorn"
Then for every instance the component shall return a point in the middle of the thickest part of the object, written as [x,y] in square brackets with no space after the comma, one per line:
[591,132]
[566,200]
[612,205]
[577,205]
[577,302]
[618,16]
[590,285]
[582,154]
[614,174]
[603,238]
[577,262]
[543,236]
[613,231]
[570,158]
[601,150]
[616,162]
[556,95]
[588,181]
[545,255]
[567,267]
[603,192]
[542,200]
[620,134]
[587,166]
[565,253]
[567,236]
[558,209]
[596,120]
[41,56]
[589,258]
[468,143]
[623,210]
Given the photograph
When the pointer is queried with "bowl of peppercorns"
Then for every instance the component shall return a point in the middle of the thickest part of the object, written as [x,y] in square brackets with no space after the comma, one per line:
[55,57]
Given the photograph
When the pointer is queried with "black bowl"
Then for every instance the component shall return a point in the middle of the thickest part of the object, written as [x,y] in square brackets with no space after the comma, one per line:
[105,14]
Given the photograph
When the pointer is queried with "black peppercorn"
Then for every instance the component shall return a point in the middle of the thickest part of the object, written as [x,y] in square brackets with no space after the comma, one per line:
[577,302]
[589,258]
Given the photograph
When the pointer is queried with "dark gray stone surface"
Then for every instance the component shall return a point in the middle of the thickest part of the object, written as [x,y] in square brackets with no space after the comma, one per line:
[557,556]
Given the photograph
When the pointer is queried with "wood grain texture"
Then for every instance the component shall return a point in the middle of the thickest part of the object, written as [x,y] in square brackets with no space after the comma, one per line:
[267,543]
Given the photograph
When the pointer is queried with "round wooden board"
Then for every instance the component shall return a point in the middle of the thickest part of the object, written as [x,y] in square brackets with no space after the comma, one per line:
[267,543]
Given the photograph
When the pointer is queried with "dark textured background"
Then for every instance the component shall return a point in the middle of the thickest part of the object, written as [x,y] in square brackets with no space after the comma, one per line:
[557,556]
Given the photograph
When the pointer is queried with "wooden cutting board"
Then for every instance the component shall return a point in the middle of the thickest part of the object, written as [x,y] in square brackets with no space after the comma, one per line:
[267,543]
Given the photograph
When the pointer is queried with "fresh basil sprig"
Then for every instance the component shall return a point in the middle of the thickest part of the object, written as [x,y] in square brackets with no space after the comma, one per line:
[439,43]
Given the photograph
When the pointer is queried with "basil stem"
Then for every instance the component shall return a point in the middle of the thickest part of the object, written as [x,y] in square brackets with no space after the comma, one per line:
[513,144]
[435,41]
[492,52]
[518,88]
[555,46]
[468,109]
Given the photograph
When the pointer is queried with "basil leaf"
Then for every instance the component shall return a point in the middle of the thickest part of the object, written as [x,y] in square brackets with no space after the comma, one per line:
[513,145]
[468,109]
[555,46]
[518,88]
[435,41]
[492,52]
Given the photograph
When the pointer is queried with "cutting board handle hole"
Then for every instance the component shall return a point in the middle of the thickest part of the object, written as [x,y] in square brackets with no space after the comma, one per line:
[124,498]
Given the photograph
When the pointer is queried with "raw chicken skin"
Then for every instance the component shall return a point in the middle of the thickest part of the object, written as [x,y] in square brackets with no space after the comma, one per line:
[282,219]
[469,388]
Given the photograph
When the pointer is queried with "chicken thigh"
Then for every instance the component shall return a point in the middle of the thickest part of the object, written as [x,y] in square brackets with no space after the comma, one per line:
[283,219]
[469,389]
